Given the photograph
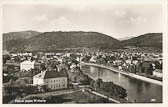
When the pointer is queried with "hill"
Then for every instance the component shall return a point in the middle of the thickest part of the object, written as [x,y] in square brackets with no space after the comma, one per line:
[19,35]
[61,40]
[146,40]
[50,41]
[14,40]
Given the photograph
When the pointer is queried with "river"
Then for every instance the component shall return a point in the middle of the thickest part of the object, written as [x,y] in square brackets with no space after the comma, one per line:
[138,90]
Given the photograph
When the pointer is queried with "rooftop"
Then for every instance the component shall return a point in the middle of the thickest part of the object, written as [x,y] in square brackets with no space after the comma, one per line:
[51,74]
[28,62]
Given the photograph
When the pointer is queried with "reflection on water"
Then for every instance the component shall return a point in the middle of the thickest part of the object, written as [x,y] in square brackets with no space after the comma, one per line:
[140,90]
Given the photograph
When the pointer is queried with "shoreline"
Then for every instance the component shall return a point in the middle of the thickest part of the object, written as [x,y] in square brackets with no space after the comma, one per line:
[127,74]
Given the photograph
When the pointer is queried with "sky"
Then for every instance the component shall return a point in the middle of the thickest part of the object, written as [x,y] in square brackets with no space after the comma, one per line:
[116,20]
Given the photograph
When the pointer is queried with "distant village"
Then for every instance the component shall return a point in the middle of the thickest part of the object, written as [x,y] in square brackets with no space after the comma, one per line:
[54,70]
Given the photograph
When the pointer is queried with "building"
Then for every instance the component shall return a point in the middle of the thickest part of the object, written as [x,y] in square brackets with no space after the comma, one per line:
[13,63]
[158,73]
[37,65]
[62,66]
[27,65]
[147,67]
[51,79]
[93,59]
[139,67]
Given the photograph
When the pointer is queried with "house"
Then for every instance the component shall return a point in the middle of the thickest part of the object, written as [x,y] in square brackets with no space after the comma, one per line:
[62,66]
[135,62]
[93,59]
[51,79]
[37,65]
[27,65]
[73,66]
[147,67]
[158,73]
[13,63]
[128,61]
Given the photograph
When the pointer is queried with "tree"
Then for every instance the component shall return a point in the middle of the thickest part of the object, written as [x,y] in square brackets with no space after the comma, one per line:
[157,65]
[5,58]
[42,66]
[11,81]
[97,84]
[95,99]
[109,88]
[86,58]
[75,61]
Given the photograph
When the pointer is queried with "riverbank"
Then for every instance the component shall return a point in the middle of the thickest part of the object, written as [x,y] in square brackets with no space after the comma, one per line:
[125,73]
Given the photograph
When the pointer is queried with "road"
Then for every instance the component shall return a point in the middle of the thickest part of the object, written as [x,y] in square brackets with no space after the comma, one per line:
[101,95]
[58,92]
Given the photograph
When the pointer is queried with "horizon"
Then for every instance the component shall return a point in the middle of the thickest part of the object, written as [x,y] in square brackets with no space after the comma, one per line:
[120,38]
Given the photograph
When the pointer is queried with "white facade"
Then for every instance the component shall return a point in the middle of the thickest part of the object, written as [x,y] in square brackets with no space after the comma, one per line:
[93,59]
[56,83]
[157,74]
[50,83]
[27,65]
[38,81]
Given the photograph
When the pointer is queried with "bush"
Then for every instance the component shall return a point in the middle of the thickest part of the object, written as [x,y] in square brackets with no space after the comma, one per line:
[11,92]
[109,88]
[80,78]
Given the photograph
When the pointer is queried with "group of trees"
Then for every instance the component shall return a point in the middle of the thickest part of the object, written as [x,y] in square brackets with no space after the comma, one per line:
[79,77]
[15,85]
[5,58]
[108,88]
[98,100]
[86,58]
[9,77]
[105,59]
[11,92]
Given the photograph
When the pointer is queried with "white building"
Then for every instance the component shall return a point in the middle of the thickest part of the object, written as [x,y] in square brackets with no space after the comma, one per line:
[93,59]
[128,61]
[27,65]
[158,73]
[51,79]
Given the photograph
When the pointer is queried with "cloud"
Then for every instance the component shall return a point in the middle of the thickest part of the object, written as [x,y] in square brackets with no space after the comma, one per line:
[138,20]
[42,17]
[61,21]
[120,13]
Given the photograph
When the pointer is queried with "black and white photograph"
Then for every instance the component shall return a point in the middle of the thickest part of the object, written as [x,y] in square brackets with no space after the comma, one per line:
[83,52]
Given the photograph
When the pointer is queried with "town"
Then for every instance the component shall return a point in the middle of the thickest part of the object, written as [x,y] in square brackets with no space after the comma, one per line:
[57,77]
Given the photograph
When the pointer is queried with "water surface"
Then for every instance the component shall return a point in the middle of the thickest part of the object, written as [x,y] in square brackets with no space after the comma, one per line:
[138,90]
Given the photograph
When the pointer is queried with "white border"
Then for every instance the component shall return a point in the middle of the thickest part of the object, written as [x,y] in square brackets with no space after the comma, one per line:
[98,2]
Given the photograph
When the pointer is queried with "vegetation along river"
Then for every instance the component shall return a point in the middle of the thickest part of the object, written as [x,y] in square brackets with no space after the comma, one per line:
[138,90]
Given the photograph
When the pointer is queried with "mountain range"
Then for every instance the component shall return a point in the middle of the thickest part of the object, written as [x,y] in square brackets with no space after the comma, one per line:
[146,40]
[49,41]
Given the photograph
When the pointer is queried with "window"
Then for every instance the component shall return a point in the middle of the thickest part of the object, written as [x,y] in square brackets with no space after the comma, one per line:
[63,85]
